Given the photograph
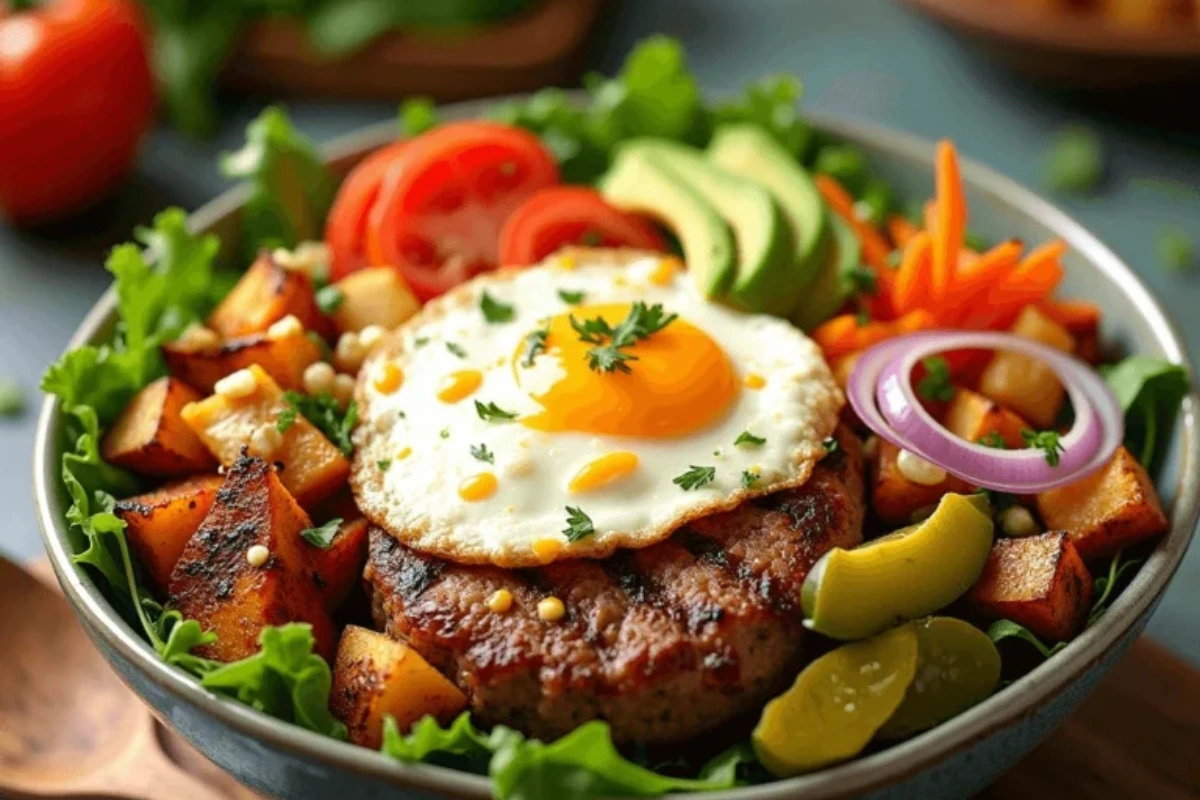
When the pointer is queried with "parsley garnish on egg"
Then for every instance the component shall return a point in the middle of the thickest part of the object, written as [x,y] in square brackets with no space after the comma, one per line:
[579,525]
[936,383]
[695,477]
[492,412]
[749,479]
[1047,441]
[456,349]
[384,464]
[746,437]
[642,322]
[481,453]
[495,311]
[535,342]
[569,297]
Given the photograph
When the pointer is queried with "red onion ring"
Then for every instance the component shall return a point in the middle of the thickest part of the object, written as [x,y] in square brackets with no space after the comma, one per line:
[881,392]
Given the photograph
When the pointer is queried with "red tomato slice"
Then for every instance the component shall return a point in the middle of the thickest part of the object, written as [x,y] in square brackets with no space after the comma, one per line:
[440,211]
[346,226]
[566,215]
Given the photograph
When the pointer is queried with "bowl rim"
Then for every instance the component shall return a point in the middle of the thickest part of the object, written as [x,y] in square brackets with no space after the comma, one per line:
[872,771]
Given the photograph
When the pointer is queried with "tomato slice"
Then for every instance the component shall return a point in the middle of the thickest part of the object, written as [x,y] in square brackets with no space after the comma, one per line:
[444,201]
[346,226]
[565,215]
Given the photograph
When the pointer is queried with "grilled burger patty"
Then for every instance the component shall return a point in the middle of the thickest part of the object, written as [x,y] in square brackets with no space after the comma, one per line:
[664,643]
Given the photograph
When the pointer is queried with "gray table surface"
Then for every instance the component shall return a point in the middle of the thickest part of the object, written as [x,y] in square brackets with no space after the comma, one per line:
[861,58]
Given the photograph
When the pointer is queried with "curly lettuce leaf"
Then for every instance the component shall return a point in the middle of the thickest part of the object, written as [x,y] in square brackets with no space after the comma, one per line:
[772,104]
[1150,392]
[291,189]
[583,764]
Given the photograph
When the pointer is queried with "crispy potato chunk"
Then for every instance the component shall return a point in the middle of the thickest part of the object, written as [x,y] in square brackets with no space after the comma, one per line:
[972,416]
[1024,384]
[375,676]
[340,566]
[150,437]
[376,296]
[1037,581]
[216,583]
[312,467]
[160,523]
[284,358]
[1082,321]
[1110,509]
[894,497]
[267,293]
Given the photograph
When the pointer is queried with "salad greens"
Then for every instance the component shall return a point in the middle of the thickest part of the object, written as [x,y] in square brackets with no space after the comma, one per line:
[1150,392]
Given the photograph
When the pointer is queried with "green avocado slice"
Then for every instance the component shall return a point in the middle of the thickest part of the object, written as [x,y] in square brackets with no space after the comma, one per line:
[830,288]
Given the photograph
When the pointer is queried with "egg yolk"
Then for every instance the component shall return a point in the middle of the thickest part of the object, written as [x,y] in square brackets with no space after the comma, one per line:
[390,380]
[681,381]
[603,471]
[477,487]
[459,385]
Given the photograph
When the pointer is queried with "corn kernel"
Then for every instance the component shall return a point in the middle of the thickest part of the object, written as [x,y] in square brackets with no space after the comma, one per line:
[200,337]
[318,378]
[1017,521]
[500,601]
[236,385]
[918,470]
[257,555]
[370,336]
[265,441]
[285,328]
[551,609]
[349,353]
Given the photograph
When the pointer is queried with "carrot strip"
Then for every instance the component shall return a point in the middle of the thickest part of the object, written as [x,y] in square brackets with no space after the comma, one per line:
[975,279]
[875,246]
[838,336]
[901,230]
[951,219]
[910,289]
[1034,279]
[1072,314]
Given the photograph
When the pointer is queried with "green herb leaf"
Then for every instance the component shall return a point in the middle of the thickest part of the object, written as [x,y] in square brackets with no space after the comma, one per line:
[579,525]
[861,280]
[481,453]
[444,433]
[640,323]
[1003,629]
[495,311]
[695,477]
[746,437]
[291,189]
[535,342]
[417,114]
[993,440]
[490,412]
[286,419]
[1075,161]
[846,164]
[831,445]
[1047,441]
[570,298]
[327,416]
[749,479]
[771,103]
[456,349]
[1150,392]
[12,399]
[384,464]
[322,535]
[330,299]
[1106,584]
[936,384]
[1176,249]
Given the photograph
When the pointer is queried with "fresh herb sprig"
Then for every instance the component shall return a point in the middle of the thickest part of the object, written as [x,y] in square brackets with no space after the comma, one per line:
[1046,441]
[609,354]
[325,413]
[490,412]
[322,536]
[695,477]
[480,452]
[936,385]
[579,525]
[495,311]
[535,343]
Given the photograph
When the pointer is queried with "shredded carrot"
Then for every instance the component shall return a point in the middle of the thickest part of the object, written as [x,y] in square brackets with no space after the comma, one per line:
[974,279]
[911,285]
[875,246]
[901,230]
[951,218]
[844,334]
[837,336]
[1074,315]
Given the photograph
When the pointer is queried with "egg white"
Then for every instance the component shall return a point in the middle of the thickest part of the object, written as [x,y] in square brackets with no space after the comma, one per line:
[413,450]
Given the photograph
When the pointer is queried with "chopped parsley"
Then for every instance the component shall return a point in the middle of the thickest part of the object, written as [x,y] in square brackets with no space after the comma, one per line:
[609,354]
[495,311]
[285,419]
[993,440]
[481,453]
[322,535]
[579,525]
[746,437]
[861,280]
[749,479]
[570,298]
[384,464]
[402,415]
[1046,441]
[492,412]
[421,341]
[535,342]
[695,477]
[444,433]
[936,384]
[324,413]
[456,349]
[330,299]
[831,445]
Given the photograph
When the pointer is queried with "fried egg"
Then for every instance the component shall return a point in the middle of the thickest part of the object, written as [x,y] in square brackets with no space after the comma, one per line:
[503,424]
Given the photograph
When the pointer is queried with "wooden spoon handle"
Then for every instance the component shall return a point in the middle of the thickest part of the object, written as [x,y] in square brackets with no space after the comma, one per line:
[145,772]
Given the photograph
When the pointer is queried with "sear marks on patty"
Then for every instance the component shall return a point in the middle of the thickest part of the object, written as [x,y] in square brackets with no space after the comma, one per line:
[665,643]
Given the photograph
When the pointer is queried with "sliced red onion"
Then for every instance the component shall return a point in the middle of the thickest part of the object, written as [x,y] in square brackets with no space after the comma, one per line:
[881,393]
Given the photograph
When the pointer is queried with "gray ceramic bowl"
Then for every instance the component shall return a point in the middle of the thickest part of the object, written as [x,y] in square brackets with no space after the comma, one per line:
[950,761]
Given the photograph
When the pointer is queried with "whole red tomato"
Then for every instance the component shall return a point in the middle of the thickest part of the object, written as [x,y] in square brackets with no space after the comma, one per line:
[76,94]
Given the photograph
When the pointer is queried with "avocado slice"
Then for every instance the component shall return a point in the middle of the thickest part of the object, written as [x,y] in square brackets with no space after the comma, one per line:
[919,570]
[749,151]
[764,279]
[640,183]
[830,287]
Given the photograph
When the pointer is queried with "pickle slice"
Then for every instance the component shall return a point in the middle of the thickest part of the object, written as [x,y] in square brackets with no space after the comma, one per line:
[836,704]
[909,574]
[957,667]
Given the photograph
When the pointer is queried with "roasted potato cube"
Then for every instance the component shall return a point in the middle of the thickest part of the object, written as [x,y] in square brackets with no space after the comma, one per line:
[267,293]
[160,523]
[283,357]
[375,676]
[895,498]
[340,566]
[312,467]
[150,437]
[1082,320]
[1110,509]
[376,296]
[973,417]
[1024,384]
[1036,581]
[227,581]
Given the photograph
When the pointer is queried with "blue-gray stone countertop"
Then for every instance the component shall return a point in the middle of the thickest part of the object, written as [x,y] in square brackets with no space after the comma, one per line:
[861,58]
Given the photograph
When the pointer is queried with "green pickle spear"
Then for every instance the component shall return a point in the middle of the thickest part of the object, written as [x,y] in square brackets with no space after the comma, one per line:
[957,667]
[837,703]
[912,573]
